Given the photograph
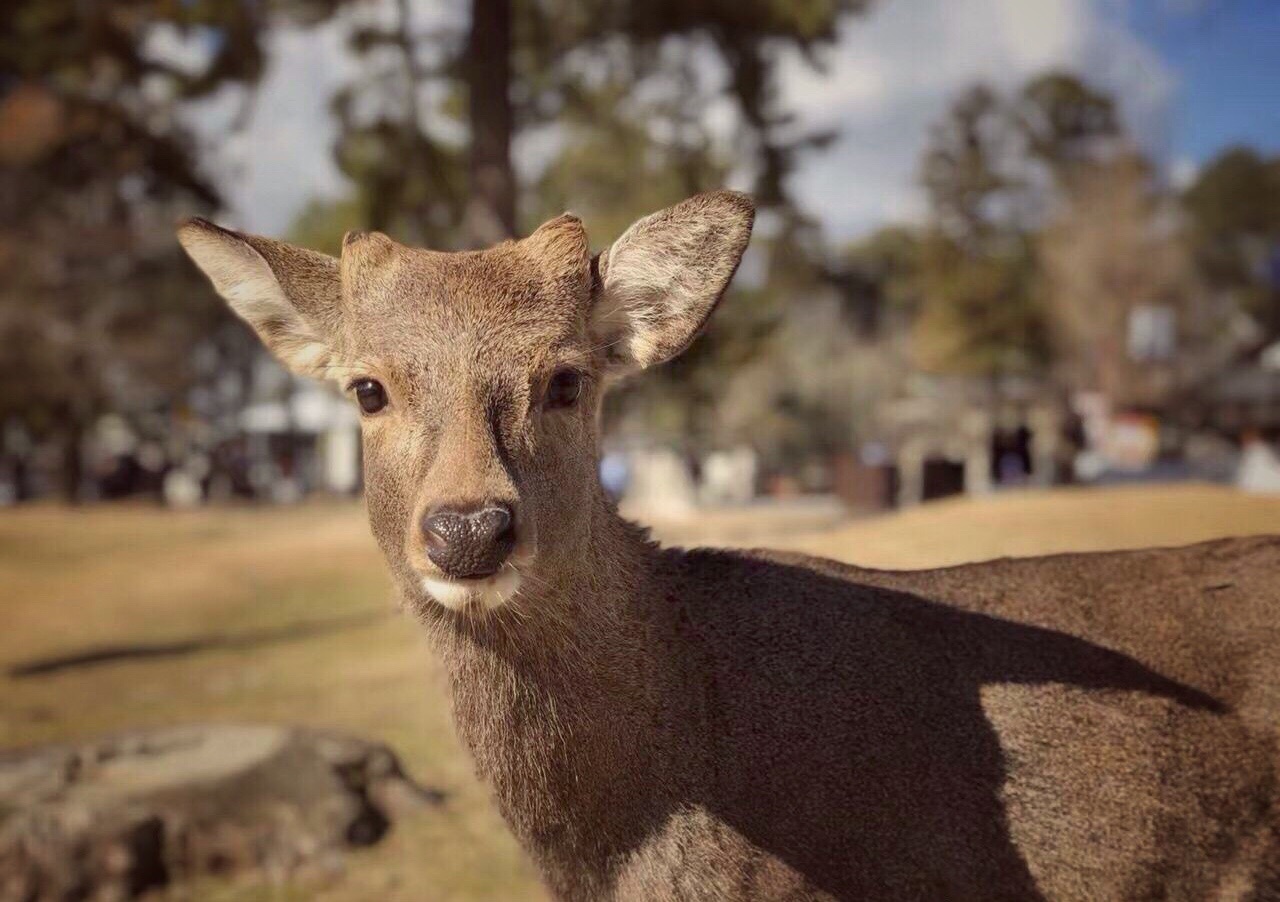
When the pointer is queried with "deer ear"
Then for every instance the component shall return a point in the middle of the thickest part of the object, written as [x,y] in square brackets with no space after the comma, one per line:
[290,296]
[661,280]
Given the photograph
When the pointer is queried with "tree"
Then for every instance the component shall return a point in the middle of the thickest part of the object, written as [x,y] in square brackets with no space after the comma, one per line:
[97,310]
[617,96]
[491,196]
[1234,205]
[1066,124]
[1116,250]
[879,279]
[522,64]
[981,315]
[965,170]
[978,315]
[995,170]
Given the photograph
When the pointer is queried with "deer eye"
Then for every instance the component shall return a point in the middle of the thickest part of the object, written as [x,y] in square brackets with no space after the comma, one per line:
[563,389]
[370,395]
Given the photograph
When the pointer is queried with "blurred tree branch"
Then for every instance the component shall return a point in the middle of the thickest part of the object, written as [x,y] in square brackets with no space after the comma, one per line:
[98,308]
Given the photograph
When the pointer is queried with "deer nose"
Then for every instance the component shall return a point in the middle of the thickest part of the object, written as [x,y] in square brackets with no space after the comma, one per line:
[468,544]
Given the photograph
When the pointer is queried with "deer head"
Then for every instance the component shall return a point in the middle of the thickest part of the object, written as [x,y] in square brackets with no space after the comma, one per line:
[479,375]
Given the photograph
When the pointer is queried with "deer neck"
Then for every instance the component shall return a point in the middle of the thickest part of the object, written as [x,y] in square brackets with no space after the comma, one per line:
[565,704]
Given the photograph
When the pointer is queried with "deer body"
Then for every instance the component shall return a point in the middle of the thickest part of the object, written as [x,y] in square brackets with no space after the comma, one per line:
[738,726]
[662,724]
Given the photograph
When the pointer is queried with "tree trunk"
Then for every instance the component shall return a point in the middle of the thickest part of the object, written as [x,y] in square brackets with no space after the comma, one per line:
[76,416]
[491,208]
[71,472]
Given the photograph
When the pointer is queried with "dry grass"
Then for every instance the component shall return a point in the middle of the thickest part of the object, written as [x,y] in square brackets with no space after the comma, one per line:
[302,628]
[1025,523]
[320,644]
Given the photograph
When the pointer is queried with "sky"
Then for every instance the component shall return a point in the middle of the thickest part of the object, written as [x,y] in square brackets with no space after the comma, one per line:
[1191,77]
[1226,56]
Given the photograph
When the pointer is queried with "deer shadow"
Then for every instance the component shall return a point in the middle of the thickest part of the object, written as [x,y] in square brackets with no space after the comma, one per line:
[863,705]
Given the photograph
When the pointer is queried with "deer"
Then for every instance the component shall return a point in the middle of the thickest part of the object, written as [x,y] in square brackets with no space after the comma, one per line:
[680,724]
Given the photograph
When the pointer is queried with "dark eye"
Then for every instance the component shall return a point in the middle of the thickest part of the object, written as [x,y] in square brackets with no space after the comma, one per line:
[370,395]
[563,389]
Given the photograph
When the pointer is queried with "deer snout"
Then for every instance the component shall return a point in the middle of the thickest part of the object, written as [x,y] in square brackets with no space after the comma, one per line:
[469,543]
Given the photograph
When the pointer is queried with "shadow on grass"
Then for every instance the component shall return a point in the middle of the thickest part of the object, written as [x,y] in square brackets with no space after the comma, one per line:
[110,654]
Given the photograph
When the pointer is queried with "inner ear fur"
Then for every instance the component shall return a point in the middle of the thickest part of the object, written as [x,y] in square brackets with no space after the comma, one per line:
[658,284]
[290,296]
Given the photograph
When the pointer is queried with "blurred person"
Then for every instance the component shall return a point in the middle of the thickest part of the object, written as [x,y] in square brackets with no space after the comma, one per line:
[1259,470]
[615,473]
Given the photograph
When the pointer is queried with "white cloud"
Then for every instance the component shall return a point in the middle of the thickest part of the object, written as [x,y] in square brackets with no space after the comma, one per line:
[188,52]
[282,156]
[896,69]
[1182,172]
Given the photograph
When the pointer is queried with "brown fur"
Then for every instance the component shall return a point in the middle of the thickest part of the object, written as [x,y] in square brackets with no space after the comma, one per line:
[660,724]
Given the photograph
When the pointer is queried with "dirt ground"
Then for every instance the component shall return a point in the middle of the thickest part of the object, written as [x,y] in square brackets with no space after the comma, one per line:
[129,616]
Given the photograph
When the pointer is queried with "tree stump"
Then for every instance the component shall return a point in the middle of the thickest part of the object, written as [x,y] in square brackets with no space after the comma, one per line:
[113,818]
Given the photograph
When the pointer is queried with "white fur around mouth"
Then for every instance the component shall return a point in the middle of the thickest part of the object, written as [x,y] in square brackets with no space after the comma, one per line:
[492,592]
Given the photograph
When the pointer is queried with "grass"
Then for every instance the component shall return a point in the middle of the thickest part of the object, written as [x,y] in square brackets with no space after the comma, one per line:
[285,615]
[253,580]
[1032,522]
